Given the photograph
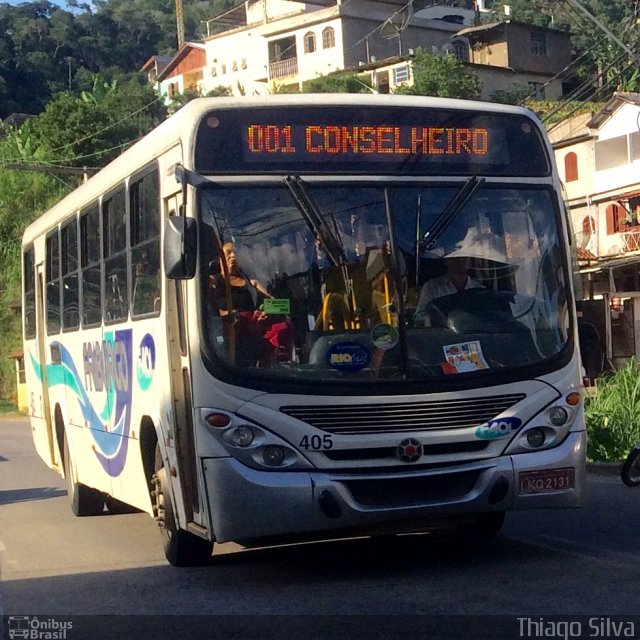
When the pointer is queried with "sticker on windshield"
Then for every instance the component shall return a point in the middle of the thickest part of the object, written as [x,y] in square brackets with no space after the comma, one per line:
[500,428]
[276,306]
[348,356]
[463,357]
[384,336]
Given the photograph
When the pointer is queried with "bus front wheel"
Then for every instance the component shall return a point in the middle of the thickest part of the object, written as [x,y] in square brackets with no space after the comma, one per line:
[181,548]
[84,501]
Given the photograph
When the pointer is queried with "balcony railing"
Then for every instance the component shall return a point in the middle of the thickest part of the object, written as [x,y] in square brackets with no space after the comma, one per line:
[283,69]
[631,240]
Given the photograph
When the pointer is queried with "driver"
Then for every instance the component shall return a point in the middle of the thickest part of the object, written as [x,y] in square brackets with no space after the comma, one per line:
[455,280]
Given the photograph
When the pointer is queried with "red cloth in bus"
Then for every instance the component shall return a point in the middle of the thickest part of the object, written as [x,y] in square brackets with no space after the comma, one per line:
[259,338]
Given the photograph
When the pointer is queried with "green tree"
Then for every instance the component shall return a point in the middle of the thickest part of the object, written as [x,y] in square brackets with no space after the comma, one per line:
[338,83]
[441,76]
[180,99]
[93,130]
[23,195]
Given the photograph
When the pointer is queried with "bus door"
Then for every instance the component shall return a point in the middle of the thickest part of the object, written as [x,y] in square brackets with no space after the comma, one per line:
[40,407]
[177,334]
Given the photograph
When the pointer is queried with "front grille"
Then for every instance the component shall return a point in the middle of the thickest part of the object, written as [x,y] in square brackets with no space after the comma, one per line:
[377,453]
[408,492]
[401,417]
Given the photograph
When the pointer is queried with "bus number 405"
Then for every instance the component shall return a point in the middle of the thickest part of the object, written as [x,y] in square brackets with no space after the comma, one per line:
[316,443]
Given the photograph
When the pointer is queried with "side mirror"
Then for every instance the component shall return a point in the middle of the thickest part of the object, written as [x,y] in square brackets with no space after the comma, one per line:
[180,248]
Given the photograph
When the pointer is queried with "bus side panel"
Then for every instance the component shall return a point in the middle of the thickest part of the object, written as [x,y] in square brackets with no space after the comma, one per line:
[40,430]
[80,393]
[38,358]
[148,389]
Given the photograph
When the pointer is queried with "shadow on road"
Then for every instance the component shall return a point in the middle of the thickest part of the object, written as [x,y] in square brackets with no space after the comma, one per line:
[33,493]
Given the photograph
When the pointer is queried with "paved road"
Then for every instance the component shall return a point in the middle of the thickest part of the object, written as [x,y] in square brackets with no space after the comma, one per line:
[564,563]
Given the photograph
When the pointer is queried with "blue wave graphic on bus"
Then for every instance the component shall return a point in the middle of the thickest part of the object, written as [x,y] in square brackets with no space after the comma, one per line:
[105,364]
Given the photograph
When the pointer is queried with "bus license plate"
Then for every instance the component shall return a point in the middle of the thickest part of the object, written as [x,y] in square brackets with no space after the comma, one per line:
[547,480]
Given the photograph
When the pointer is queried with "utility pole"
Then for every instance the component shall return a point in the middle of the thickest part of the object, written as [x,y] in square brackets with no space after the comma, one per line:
[180,23]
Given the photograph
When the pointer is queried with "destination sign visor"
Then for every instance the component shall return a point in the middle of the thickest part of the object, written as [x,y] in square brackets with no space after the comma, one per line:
[354,140]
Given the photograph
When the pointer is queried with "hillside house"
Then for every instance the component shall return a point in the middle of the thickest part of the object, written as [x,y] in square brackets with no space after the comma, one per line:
[598,157]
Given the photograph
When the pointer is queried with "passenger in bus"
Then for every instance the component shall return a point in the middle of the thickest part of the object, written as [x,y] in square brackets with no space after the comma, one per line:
[455,280]
[257,338]
[246,294]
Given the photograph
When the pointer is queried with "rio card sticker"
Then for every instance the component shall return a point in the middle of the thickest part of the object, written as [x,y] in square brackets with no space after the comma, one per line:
[348,356]
[463,357]
[384,336]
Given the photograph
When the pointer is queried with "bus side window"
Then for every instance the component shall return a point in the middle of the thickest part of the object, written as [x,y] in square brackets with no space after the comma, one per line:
[144,227]
[91,310]
[146,284]
[116,294]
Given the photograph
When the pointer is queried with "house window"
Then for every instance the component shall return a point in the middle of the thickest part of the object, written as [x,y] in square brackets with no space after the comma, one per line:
[328,38]
[538,43]
[223,69]
[611,153]
[460,50]
[243,63]
[173,89]
[234,65]
[309,42]
[571,167]
[401,74]
[616,216]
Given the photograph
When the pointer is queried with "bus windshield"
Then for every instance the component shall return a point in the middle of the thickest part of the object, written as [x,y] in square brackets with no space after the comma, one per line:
[399,281]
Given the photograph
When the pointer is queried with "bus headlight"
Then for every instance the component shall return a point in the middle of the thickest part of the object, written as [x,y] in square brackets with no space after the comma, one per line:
[535,438]
[249,443]
[558,416]
[546,430]
[273,455]
[242,436]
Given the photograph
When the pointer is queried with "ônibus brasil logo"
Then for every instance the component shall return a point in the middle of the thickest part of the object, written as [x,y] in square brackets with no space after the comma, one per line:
[38,628]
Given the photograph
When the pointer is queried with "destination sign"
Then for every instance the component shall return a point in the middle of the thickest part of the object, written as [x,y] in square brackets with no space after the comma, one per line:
[348,139]
[358,140]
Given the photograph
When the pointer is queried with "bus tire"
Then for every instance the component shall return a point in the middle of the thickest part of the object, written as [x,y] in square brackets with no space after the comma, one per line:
[181,548]
[484,526]
[83,500]
[630,472]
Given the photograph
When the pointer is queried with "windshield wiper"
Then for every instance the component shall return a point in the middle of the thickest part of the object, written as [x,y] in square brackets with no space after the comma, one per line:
[329,238]
[440,224]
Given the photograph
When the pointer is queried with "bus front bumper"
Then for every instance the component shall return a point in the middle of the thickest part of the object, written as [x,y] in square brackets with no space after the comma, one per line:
[248,504]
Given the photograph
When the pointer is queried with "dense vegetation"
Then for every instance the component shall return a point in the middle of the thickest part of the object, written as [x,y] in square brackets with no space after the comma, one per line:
[613,415]
[76,70]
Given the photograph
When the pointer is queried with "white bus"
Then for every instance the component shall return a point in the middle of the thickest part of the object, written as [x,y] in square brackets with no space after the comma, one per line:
[354,384]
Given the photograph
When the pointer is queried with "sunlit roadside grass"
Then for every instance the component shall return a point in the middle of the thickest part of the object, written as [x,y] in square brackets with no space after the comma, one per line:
[613,415]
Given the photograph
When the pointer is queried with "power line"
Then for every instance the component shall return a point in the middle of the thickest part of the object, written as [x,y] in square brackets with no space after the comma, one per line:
[602,27]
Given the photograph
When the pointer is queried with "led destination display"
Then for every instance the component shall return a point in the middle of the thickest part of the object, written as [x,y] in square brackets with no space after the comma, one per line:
[365,140]
[355,140]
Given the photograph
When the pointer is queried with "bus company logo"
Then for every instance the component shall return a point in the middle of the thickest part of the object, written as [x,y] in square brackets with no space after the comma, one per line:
[146,362]
[35,628]
[106,364]
[500,428]
[410,450]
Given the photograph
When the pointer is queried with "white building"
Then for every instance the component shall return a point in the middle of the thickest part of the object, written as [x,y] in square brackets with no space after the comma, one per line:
[267,44]
[598,158]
